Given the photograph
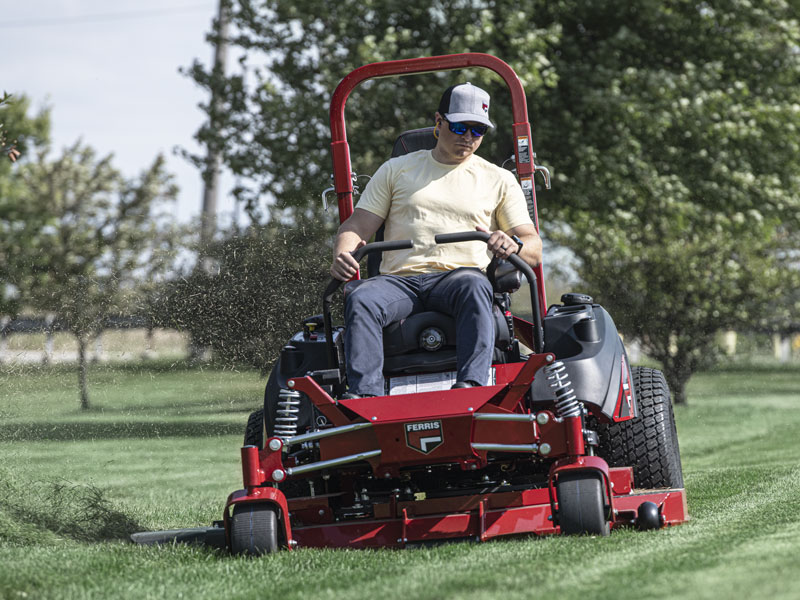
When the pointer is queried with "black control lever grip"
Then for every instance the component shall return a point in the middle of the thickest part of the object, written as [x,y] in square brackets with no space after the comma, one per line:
[334,285]
[360,253]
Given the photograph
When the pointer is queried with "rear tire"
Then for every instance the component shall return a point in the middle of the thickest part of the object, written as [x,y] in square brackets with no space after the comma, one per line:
[254,529]
[648,443]
[581,504]
[254,432]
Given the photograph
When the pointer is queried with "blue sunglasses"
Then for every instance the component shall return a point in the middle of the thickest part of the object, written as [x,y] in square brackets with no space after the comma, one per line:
[461,128]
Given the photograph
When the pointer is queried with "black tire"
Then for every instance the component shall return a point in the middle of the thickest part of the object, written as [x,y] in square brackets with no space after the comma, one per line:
[254,529]
[648,443]
[581,504]
[254,432]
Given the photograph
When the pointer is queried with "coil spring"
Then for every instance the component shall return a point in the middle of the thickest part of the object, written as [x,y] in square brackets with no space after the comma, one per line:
[566,403]
[286,416]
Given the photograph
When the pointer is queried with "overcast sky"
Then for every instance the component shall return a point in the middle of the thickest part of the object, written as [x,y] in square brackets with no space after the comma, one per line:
[109,70]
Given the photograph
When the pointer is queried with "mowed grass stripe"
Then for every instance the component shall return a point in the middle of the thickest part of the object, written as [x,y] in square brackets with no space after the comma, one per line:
[740,461]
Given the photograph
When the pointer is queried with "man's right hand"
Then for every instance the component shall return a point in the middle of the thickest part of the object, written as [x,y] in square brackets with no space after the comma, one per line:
[344,266]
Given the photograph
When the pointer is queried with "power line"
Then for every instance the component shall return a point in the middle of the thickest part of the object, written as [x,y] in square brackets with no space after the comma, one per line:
[104,17]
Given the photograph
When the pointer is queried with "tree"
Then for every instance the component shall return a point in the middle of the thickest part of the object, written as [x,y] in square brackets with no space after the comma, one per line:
[20,136]
[272,125]
[678,171]
[82,236]
[670,126]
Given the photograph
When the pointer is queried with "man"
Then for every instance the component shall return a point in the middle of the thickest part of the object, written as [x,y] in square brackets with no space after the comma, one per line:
[444,190]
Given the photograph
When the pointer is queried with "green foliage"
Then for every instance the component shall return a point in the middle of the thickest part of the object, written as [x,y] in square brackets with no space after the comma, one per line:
[273,124]
[24,133]
[682,193]
[671,128]
[79,237]
[251,292]
[20,131]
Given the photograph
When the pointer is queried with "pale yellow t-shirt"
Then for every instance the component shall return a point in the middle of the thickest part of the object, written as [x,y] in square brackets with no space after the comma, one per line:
[419,197]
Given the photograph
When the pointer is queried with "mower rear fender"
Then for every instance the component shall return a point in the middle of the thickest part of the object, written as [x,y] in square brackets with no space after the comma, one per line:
[585,339]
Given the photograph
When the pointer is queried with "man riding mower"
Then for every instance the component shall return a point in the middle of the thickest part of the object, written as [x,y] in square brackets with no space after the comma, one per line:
[434,413]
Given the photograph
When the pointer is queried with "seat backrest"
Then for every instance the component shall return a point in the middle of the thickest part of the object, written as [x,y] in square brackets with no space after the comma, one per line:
[408,141]
[413,140]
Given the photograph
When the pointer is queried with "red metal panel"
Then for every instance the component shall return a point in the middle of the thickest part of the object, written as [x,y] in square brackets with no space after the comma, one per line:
[624,409]
[522,382]
[621,480]
[515,521]
[428,405]
[505,373]
[496,432]
[252,474]
[672,503]
[474,523]
[326,405]
[524,329]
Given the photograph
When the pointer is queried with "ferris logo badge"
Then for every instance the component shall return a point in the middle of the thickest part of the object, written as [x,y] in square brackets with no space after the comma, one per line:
[425,436]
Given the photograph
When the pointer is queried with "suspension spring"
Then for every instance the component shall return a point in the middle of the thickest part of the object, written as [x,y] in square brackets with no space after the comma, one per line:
[566,403]
[286,416]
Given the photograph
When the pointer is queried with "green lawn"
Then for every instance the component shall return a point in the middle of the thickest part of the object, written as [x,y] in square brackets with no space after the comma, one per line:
[160,450]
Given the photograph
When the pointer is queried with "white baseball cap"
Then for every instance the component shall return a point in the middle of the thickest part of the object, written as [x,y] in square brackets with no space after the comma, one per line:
[465,102]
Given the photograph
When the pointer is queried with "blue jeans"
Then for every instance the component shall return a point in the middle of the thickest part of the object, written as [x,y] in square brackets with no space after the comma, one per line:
[372,304]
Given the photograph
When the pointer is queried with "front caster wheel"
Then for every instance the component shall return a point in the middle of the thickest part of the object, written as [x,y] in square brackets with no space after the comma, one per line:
[581,504]
[254,529]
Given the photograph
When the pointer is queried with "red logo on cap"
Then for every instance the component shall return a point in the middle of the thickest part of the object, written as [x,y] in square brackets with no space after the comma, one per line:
[485,107]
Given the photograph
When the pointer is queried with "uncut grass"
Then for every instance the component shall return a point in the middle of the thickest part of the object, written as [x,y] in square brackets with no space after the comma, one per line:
[740,461]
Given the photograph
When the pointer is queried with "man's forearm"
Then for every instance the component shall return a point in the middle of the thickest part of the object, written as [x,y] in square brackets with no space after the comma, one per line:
[531,249]
[346,241]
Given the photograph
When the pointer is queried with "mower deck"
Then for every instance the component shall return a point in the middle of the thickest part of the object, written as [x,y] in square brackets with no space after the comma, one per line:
[480,517]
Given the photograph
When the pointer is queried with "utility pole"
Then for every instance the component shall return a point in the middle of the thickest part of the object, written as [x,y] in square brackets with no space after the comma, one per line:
[213,161]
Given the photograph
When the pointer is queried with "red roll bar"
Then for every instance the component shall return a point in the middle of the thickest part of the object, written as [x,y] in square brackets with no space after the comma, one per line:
[340,150]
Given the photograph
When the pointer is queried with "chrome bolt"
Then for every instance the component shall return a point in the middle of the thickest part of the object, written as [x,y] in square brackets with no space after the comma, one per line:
[275,445]
[542,418]
[470,409]
[278,475]
[291,383]
[374,418]
[544,449]
[321,512]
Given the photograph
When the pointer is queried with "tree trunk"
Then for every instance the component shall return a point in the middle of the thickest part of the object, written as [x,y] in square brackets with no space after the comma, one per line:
[677,377]
[82,372]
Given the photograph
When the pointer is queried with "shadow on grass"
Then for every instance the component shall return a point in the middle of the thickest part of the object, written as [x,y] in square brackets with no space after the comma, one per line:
[134,366]
[96,430]
[32,512]
[245,404]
